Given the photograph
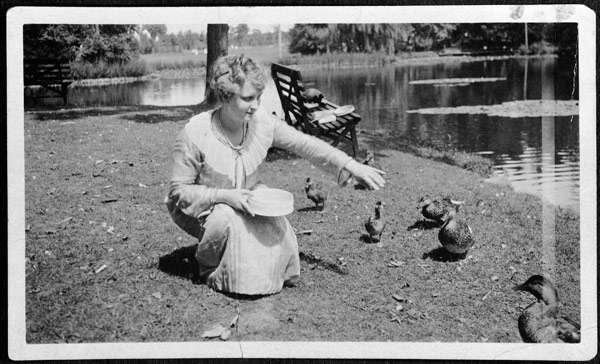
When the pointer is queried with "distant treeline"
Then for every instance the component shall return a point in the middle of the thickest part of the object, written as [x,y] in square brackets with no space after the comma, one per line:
[394,38]
[113,50]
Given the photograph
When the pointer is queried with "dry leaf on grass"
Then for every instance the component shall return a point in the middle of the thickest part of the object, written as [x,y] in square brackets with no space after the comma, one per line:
[225,334]
[234,321]
[216,331]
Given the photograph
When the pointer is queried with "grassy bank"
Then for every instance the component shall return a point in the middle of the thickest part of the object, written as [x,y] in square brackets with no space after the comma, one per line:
[105,262]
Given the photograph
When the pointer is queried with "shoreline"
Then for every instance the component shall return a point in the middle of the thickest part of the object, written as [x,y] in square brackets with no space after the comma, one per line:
[371,62]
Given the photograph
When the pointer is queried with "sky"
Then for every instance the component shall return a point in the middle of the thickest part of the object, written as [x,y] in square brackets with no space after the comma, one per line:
[201,28]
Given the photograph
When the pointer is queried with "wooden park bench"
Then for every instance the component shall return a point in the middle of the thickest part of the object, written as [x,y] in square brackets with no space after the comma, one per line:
[52,74]
[301,108]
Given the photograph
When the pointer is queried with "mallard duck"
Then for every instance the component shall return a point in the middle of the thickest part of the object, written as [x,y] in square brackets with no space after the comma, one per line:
[456,235]
[540,321]
[370,160]
[314,194]
[437,208]
[375,224]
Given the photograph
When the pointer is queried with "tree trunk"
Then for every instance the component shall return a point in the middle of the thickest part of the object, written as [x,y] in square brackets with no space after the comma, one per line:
[217,44]
[391,49]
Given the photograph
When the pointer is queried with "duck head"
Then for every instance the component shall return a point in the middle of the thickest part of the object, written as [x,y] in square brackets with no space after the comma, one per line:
[308,184]
[378,207]
[424,201]
[542,288]
[449,215]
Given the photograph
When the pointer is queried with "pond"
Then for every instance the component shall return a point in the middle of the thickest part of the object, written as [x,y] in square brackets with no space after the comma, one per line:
[538,155]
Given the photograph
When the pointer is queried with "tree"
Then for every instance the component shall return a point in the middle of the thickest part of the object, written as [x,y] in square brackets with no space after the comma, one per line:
[217,43]
[309,38]
[156,31]
[240,32]
[91,43]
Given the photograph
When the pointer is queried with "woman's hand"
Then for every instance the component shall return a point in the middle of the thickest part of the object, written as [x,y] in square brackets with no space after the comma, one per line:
[238,199]
[367,175]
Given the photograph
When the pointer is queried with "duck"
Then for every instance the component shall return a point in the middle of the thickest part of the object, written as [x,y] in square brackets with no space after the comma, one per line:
[437,208]
[314,194]
[370,160]
[376,224]
[455,235]
[540,322]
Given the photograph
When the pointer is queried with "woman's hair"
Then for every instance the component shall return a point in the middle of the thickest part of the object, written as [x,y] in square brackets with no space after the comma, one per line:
[231,72]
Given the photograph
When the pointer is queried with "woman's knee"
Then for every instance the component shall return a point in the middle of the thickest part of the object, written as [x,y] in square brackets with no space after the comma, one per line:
[219,220]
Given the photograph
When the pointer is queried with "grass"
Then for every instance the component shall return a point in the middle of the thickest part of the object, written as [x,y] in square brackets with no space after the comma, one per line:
[83,71]
[95,180]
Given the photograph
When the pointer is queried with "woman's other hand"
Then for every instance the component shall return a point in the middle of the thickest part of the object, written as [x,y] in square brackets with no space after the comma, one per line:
[236,198]
[367,175]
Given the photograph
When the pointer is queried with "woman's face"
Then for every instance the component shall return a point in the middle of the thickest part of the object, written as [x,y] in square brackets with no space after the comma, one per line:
[243,105]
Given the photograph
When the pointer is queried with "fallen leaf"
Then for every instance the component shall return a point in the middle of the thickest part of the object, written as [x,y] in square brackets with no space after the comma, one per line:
[225,334]
[99,161]
[214,332]
[395,263]
[234,321]
[398,298]
[67,219]
[103,267]
[157,295]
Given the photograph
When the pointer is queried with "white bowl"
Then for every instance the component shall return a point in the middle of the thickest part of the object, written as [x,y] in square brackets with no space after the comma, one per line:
[343,110]
[271,202]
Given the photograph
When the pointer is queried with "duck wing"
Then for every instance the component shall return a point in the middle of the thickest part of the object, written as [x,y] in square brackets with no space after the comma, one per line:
[537,325]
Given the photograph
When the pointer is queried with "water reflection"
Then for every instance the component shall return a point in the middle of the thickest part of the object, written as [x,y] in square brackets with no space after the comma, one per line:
[538,155]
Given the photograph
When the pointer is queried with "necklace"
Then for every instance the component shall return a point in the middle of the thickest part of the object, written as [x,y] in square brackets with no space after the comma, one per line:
[239,175]
[234,147]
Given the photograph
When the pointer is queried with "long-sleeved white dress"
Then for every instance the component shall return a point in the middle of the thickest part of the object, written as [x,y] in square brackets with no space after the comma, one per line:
[237,252]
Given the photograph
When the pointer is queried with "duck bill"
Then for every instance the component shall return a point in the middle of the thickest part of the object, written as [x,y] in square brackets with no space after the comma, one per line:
[519,287]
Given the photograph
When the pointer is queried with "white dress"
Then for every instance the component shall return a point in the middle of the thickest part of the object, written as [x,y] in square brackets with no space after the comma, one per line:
[237,252]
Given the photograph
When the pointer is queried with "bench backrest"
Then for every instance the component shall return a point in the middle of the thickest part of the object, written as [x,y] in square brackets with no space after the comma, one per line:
[46,72]
[291,90]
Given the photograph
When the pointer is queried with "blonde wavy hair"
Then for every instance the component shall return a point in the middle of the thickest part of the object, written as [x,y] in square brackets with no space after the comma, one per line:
[231,72]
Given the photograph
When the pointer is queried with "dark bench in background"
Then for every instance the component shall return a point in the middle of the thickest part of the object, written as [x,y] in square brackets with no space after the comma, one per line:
[299,109]
[50,73]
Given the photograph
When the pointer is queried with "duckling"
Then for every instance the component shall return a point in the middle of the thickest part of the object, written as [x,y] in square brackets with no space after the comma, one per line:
[314,194]
[456,235]
[437,208]
[540,322]
[376,224]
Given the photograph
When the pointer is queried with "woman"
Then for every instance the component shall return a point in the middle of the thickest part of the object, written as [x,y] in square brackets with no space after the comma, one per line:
[216,159]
